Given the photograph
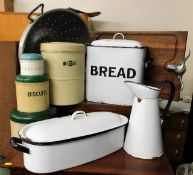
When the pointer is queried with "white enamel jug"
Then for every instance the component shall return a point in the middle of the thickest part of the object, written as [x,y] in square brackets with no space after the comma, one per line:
[144,137]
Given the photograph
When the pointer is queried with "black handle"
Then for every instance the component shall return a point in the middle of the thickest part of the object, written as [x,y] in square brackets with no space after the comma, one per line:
[148,63]
[42,11]
[171,97]
[15,143]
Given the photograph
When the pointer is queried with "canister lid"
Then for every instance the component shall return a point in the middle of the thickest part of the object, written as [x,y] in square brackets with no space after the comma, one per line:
[31,79]
[31,56]
[62,46]
[75,126]
[117,43]
[26,118]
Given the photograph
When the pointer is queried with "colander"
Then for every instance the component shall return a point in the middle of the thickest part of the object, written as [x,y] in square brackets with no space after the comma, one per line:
[61,25]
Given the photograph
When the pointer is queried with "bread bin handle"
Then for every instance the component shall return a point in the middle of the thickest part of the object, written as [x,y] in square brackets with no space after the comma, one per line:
[16,143]
[116,34]
[78,113]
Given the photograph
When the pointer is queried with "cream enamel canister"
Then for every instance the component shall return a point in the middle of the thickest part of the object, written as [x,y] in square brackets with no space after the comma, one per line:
[109,63]
[20,119]
[32,93]
[65,65]
[31,64]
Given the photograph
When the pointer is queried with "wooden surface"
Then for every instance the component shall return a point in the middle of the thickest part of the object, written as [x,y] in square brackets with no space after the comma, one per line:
[93,107]
[119,163]
[175,135]
[6,5]
[12,26]
[7,92]
[163,48]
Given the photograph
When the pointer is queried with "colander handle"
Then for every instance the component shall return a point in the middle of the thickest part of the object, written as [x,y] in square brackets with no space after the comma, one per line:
[31,13]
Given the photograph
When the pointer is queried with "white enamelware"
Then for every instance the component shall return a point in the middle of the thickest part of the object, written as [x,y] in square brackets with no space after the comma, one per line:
[177,106]
[33,67]
[60,143]
[31,64]
[144,136]
[109,63]
[20,119]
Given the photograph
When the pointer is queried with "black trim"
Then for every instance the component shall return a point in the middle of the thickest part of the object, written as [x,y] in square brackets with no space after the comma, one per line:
[67,140]
[31,13]
[24,48]
[15,143]
[146,86]
[171,97]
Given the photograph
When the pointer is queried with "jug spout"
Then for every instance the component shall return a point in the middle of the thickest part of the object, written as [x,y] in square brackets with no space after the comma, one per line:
[143,91]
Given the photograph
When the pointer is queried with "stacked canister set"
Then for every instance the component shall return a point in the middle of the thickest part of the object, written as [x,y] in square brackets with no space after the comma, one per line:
[75,70]
[32,93]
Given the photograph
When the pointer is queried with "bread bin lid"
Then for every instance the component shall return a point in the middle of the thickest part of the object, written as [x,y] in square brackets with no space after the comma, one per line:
[31,56]
[26,118]
[117,42]
[62,46]
[31,79]
[72,127]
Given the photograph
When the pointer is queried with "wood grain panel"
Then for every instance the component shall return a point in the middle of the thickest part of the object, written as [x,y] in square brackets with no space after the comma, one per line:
[6,5]
[174,154]
[178,121]
[175,138]
[12,26]
[93,107]
[7,92]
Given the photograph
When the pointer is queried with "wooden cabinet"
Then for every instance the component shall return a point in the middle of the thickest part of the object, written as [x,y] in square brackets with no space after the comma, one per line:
[174,137]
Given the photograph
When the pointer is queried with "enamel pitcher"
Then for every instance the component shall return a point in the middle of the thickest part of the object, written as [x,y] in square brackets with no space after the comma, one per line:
[144,138]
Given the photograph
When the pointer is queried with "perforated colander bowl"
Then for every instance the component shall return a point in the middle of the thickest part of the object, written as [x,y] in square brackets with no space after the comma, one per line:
[58,25]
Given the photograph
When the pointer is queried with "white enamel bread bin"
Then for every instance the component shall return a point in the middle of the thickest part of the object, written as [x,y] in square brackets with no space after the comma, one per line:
[109,63]
[60,143]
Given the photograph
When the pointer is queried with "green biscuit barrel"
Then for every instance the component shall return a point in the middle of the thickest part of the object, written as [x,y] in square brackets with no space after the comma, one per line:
[32,93]
[65,65]
[20,119]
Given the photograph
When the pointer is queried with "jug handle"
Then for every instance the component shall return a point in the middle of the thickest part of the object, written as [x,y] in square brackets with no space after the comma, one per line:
[171,97]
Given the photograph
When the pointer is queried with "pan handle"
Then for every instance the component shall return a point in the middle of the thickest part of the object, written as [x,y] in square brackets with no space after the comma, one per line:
[30,14]
[16,143]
